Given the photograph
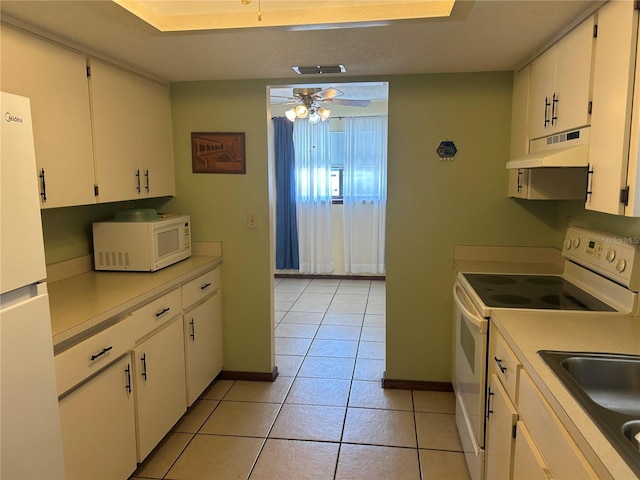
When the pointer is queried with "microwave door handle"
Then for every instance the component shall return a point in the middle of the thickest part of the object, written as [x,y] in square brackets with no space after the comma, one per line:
[474,317]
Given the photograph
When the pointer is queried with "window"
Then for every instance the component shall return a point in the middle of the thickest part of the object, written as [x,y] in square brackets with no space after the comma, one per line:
[337,140]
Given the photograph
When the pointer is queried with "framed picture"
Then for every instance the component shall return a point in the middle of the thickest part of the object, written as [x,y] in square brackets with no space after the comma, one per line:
[217,152]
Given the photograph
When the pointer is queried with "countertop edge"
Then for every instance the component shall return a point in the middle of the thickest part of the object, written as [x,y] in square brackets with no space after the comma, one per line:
[598,450]
[117,311]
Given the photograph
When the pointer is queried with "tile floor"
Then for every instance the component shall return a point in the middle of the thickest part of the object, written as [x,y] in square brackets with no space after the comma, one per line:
[326,416]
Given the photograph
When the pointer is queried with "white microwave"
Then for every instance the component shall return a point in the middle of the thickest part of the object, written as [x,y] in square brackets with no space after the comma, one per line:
[141,246]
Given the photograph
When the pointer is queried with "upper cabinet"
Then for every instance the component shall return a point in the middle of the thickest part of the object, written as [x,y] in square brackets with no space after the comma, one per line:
[559,90]
[55,80]
[132,134]
[102,134]
[613,149]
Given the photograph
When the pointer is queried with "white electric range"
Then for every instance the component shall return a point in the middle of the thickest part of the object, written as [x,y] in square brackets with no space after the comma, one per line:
[601,275]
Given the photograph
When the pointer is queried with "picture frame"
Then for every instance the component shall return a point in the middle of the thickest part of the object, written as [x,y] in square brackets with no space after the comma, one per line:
[218,152]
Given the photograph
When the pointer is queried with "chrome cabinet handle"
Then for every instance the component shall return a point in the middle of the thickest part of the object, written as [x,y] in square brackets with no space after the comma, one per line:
[138,180]
[519,180]
[146,175]
[102,352]
[144,366]
[193,329]
[499,362]
[490,394]
[163,311]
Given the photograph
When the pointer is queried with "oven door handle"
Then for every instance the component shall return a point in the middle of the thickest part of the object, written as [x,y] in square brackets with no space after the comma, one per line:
[463,303]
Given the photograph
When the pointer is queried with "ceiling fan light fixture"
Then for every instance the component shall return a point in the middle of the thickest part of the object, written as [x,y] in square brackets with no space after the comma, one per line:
[291,114]
[318,69]
[314,117]
[301,111]
[324,113]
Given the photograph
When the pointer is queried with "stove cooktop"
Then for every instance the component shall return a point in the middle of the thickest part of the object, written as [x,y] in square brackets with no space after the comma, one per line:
[538,292]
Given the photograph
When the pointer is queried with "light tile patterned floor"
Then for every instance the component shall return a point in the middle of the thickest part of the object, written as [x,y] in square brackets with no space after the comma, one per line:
[326,416]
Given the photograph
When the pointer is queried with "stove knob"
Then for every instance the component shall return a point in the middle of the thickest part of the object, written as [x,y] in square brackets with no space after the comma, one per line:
[621,265]
[567,244]
[610,255]
[575,242]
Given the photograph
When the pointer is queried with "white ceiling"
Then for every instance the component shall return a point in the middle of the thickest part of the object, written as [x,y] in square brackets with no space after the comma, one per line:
[481,35]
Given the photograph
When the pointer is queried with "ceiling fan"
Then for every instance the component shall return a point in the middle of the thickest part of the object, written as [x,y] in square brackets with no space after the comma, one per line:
[309,103]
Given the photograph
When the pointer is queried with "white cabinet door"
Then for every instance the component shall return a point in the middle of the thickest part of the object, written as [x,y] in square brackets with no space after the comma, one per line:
[155,146]
[159,385]
[55,80]
[543,73]
[560,84]
[113,99]
[519,108]
[203,345]
[573,78]
[614,68]
[132,135]
[528,464]
[502,418]
[98,425]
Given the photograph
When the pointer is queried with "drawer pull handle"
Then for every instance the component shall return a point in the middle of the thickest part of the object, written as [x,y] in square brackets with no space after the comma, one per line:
[193,329]
[128,384]
[102,352]
[144,366]
[162,312]
[490,394]
[205,286]
[499,362]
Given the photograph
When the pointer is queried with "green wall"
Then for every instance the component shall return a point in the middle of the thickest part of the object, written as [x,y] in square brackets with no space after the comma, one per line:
[432,206]
[219,204]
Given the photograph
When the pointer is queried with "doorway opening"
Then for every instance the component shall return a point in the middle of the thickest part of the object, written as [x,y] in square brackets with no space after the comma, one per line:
[329,160]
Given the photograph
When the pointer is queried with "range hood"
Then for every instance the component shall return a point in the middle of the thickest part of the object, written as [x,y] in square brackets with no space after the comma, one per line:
[569,149]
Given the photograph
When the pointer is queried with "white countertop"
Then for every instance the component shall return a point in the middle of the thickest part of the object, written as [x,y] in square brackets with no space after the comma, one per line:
[528,332]
[84,303]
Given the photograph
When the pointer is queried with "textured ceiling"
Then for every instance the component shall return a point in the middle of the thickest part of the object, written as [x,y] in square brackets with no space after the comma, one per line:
[481,35]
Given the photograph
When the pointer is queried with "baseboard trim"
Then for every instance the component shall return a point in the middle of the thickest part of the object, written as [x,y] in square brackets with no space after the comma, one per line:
[329,276]
[391,383]
[250,376]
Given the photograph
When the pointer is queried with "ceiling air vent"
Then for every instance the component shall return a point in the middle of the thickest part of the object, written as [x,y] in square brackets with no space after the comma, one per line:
[315,70]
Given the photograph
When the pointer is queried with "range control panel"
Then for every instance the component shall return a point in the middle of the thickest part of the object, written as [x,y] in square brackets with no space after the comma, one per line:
[613,256]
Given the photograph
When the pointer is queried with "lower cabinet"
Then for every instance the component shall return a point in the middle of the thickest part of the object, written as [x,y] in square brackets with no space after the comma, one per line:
[98,425]
[203,345]
[502,417]
[528,464]
[121,390]
[525,439]
[159,385]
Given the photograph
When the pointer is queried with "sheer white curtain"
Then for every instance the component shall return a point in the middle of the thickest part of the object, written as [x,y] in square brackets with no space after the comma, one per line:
[365,194]
[313,196]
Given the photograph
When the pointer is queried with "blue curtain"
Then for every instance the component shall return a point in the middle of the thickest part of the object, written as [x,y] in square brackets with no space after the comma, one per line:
[286,225]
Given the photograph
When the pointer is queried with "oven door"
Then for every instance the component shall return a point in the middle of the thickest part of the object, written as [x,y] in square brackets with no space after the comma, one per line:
[469,379]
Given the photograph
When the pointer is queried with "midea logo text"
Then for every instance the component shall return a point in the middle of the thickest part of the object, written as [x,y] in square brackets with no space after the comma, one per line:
[9,117]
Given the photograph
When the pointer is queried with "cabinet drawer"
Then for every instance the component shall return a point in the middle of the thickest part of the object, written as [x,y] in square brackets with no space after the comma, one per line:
[558,449]
[506,366]
[200,287]
[156,313]
[96,352]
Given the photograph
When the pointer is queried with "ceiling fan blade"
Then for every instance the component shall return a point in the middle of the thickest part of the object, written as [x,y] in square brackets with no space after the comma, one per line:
[327,93]
[350,103]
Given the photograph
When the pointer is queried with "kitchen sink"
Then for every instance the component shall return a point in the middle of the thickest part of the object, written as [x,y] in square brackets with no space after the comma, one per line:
[607,386]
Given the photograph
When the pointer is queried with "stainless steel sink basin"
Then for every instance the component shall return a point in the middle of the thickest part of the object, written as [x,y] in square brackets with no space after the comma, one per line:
[608,388]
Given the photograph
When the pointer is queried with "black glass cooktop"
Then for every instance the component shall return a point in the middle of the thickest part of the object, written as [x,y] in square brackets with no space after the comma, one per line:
[545,292]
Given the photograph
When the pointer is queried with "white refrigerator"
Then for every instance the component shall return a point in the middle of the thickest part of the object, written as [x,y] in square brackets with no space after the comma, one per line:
[30,439]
